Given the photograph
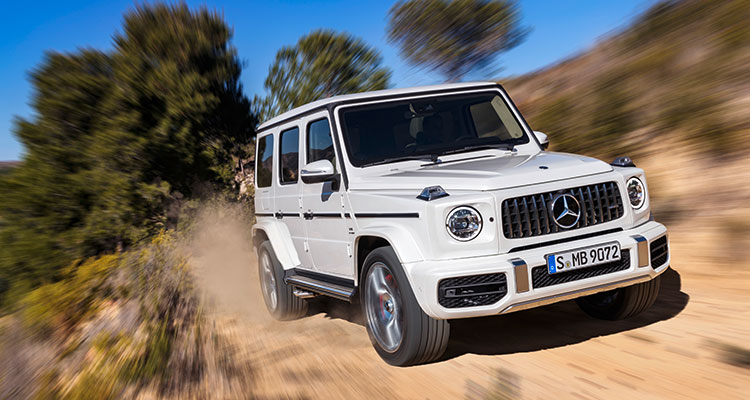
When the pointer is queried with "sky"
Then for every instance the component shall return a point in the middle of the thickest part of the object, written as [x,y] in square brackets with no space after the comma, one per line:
[559,29]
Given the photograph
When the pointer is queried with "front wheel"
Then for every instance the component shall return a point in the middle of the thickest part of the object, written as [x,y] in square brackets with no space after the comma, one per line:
[621,303]
[400,331]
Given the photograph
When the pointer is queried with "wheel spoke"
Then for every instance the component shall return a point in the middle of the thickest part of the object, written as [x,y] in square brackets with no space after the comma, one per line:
[382,306]
[268,282]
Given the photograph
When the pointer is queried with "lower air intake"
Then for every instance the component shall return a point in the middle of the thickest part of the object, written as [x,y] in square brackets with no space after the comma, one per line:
[659,252]
[472,291]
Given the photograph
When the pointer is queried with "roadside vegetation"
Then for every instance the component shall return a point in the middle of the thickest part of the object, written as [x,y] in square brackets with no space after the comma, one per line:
[121,325]
[97,295]
[322,64]
[120,141]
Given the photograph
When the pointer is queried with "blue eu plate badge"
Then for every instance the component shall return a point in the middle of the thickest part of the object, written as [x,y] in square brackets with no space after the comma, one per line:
[551,267]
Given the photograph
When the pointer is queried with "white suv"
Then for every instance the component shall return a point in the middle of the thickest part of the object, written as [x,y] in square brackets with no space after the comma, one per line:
[434,203]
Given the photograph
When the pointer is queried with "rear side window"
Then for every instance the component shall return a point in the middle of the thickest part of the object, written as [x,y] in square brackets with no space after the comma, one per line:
[264,160]
[289,156]
[319,142]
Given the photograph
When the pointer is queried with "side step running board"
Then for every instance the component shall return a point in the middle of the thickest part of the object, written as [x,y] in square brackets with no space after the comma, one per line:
[303,294]
[320,284]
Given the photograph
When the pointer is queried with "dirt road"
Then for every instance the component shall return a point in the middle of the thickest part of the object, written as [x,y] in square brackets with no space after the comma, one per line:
[684,347]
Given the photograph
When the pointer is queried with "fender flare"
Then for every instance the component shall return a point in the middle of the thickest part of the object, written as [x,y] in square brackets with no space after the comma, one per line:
[281,241]
[399,239]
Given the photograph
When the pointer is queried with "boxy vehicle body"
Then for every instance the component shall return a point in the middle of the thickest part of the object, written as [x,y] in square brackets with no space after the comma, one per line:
[435,203]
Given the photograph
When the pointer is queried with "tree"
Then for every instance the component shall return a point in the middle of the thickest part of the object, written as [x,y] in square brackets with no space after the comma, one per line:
[322,64]
[119,139]
[454,37]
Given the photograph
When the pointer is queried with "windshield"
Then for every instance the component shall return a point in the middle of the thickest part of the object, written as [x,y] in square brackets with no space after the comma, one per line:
[428,127]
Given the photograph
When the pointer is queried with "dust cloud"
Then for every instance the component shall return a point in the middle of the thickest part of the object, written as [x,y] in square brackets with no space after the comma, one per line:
[224,263]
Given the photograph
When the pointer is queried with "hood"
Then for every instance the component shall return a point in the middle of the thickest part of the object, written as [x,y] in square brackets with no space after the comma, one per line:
[489,173]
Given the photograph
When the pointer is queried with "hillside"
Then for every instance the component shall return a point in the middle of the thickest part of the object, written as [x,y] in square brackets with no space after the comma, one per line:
[680,73]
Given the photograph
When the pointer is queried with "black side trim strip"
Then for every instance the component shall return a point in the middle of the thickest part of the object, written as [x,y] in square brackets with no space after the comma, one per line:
[326,215]
[306,215]
[386,215]
[568,239]
[336,280]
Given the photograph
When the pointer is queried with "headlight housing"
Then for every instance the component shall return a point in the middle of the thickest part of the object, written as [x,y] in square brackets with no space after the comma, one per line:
[464,223]
[636,192]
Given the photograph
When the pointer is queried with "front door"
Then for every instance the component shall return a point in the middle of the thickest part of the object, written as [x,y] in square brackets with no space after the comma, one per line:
[324,205]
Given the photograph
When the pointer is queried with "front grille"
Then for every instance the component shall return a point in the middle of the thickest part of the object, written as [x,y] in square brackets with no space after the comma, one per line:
[541,278]
[471,291]
[659,252]
[529,216]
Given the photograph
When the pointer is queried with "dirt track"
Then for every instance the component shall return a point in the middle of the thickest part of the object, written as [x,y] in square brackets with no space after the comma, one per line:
[678,349]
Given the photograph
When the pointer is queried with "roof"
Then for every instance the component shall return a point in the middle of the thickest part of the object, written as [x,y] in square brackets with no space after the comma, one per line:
[366,95]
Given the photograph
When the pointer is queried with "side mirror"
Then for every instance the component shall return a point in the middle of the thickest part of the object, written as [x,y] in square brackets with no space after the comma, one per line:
[318,171]
[542,138]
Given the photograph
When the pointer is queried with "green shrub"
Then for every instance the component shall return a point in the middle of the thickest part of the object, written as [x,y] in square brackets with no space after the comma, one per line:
[61,305]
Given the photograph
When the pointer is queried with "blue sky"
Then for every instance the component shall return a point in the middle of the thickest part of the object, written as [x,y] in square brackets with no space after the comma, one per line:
[27,29]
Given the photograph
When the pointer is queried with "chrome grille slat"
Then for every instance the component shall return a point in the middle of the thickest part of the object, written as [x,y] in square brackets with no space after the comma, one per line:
[591,204]
[517,215]
[606,200]
[585,217]
[546,214]
[599,202]
[507,224]
[536,216]
[528,216]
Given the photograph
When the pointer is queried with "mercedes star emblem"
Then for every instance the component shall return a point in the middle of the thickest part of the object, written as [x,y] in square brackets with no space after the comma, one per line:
[565,211]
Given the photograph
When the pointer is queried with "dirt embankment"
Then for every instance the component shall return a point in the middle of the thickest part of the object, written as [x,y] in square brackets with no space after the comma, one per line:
[691,344]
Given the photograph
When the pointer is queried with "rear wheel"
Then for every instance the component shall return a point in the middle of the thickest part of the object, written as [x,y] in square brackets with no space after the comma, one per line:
[400,331]
[621,303]
[277,295]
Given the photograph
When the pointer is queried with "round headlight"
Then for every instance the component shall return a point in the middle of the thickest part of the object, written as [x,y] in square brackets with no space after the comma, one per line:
[636,192]
[464,223]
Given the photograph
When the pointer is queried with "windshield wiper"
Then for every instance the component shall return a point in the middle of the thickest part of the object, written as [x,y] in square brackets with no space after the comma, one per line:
[422,157]
[504,146]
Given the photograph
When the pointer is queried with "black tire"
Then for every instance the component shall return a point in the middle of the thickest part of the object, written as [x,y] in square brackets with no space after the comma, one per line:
[621,303]
[423,339]
[287,306]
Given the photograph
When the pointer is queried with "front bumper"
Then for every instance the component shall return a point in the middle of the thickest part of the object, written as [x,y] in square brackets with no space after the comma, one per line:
[425,276]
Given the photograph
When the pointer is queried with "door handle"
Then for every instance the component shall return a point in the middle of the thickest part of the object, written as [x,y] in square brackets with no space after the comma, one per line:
[278,215]
[308,215]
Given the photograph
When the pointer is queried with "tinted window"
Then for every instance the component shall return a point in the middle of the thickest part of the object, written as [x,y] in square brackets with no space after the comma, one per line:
[264,161]
[319,142]
[289,156]
[430,126]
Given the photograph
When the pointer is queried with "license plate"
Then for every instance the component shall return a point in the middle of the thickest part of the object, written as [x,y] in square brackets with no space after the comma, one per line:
[583,257]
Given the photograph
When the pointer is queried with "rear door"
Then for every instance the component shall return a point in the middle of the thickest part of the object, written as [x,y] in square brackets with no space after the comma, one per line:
[324,204]
[288,193]
[264,166]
